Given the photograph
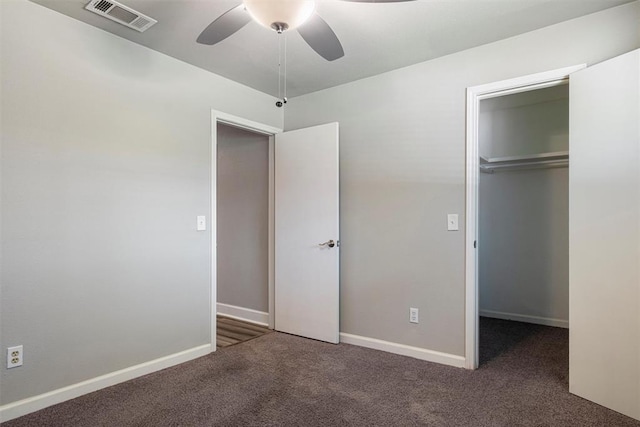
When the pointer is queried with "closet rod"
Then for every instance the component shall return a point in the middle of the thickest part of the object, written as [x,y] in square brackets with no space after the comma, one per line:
[538,164]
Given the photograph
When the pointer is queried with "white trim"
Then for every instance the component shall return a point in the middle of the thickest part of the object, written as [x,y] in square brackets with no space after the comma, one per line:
[474,95]
[525,83]
[404,350]
[272,234]
[213,224]
[242,123]
[527,88]
[41,401]
[547,321]
[471,220]
[246,314]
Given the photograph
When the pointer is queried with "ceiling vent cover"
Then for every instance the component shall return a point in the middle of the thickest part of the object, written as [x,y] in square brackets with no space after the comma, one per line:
[121,14]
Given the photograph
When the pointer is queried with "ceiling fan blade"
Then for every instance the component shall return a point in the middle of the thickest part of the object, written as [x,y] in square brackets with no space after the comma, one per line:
[225,25]
[319,35]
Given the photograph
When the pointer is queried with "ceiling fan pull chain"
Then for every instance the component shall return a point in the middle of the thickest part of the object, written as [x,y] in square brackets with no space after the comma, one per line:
[279,66]
[284,99]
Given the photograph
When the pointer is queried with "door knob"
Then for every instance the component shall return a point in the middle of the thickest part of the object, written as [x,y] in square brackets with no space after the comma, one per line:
[330,243]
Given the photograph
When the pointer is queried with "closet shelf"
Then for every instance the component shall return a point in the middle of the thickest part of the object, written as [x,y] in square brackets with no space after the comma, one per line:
[531,161]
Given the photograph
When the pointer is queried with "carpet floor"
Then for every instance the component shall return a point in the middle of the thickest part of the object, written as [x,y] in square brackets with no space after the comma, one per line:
[231,331]
[283,380]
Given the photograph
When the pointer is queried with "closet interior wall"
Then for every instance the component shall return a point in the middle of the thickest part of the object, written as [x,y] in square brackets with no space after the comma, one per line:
[524,211]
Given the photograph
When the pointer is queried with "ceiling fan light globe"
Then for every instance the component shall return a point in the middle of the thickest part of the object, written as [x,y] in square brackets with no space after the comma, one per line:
[293,13]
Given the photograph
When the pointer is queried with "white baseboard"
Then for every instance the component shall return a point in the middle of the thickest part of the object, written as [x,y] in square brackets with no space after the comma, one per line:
[405,350]
[547,321]
[35,403]
[241,313]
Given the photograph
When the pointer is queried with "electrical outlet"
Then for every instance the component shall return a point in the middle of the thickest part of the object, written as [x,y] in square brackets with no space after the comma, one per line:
[14,356]
[413,315]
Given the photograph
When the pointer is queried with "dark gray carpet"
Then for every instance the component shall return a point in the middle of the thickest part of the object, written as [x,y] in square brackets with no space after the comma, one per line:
[278,379]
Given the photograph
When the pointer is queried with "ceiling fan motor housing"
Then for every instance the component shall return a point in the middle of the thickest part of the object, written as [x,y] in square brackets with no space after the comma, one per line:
[280,15]
[280,27]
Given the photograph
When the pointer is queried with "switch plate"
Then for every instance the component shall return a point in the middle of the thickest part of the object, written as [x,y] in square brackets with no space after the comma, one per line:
[413,315]
[452,222]
[201,223]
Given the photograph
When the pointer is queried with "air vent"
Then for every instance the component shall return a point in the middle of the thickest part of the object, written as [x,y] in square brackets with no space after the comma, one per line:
[121,14]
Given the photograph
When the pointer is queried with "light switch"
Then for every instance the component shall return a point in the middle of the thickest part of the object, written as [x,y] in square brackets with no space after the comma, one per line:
[201,223]
[452,222]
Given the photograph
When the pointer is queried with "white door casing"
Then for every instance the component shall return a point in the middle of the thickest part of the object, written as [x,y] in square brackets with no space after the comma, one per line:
[239,122]
[604,234]
[307,215]
[474,96]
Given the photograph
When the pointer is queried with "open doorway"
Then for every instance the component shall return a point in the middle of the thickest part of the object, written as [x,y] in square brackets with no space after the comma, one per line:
[306,227]
[523,227]
[242,232]
[517,208]
[603,219]
[242,237]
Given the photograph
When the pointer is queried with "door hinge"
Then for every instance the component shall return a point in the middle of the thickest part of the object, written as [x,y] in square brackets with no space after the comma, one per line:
[475,244]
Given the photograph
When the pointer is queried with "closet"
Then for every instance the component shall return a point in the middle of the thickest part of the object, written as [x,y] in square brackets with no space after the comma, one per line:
[523,202]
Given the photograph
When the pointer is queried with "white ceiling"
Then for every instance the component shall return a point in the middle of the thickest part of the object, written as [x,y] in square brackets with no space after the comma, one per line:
[376,37]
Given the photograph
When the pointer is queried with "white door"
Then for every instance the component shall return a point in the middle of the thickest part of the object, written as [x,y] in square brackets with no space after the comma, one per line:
[604,234]
[306,233]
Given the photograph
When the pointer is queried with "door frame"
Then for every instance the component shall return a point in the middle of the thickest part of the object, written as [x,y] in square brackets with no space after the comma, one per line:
[474,95]
[255,127]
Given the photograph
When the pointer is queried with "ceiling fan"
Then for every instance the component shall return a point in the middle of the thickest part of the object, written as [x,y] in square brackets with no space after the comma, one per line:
[281,15]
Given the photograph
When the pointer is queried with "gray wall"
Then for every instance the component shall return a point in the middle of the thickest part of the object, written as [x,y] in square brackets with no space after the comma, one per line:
[105,166]
[402,169]
[524,243]
[522,124]
[243,218]
[523,216]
